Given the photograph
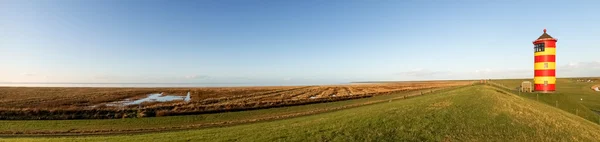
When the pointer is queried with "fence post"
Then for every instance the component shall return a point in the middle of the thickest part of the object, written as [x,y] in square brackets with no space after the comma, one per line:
[556,104]
[537,97]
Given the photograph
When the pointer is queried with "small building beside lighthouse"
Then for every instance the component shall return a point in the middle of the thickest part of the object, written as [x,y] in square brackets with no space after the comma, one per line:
[545,63]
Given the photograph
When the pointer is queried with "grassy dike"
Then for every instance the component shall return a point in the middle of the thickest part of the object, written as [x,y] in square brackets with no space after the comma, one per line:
[474,113]
[153,124]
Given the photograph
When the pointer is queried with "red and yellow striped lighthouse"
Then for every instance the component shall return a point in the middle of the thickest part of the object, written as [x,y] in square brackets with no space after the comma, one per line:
[545,63]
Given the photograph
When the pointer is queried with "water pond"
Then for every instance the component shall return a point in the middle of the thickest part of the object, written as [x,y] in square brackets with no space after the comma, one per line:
[156,97]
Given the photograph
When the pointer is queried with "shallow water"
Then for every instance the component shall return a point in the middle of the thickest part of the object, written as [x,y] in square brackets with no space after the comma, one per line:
[157,97]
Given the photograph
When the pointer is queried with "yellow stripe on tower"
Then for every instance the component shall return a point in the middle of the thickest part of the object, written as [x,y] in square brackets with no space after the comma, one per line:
[540,80]
[547,51]
[545,66]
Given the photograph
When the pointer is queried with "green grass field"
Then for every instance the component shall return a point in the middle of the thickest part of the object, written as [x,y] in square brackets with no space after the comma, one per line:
[12,127]
[568,96]
[474,113]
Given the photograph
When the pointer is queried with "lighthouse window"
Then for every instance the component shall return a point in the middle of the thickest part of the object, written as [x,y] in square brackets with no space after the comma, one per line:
[540,47]
[545,83]
[545,65]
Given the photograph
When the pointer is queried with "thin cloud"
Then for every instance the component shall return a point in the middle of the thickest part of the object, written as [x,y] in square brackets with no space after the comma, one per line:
[503,73]
[106,77]
[28,74]
[573,69]
[581,65]
[579,69]
[483,71]
[195,77]
[419,72]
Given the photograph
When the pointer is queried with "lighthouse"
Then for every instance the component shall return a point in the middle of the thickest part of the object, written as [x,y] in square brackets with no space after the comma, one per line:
[545,63]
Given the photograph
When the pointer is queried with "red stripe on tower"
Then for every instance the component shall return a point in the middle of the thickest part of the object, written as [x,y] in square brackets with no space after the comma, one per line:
[542,87]
[550,44]
[544,73]
[545,58]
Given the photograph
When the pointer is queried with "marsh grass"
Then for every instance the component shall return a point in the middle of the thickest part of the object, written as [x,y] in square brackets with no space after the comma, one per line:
[128,125]
[24,103]
[474,113]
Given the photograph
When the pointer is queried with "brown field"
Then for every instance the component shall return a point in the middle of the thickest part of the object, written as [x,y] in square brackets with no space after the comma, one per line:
[18,103]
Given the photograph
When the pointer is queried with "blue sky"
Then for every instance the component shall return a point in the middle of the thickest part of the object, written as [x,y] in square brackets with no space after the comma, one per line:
[264,41]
